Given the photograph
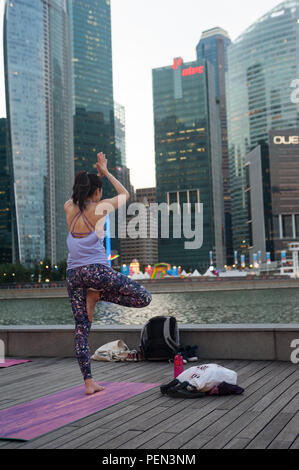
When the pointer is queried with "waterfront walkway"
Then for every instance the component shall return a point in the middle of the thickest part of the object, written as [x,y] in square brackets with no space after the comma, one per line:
[265,416]
[161,286]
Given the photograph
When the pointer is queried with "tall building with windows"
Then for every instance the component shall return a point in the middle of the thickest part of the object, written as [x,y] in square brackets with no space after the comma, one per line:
[262,64]
[272,191]
[93,103]
[213,46]
[120,132]
[188,157]
[38,83]
[143,248]
[5,198]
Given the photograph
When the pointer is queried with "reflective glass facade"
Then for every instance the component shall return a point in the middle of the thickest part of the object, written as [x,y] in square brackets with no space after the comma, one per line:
[120,132]
[188,156]
[37,58]
[5,199]
[93,85]
[213,46]
[262,63]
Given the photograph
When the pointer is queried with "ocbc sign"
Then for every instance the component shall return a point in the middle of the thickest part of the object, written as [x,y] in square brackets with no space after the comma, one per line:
[286,140]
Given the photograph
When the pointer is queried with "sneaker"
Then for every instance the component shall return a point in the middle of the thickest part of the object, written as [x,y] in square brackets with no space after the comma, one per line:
[183,352]
[192,353]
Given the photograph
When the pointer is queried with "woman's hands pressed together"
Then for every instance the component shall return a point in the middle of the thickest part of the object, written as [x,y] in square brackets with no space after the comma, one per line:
[102,164]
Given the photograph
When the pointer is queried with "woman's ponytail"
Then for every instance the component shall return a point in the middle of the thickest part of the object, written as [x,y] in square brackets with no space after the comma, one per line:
[84,187]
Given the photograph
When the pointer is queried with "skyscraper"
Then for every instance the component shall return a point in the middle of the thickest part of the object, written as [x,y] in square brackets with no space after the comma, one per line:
[5,198]
[272,189]
[262,63]
[144,248]
[188,156]
[38,82]
[213,46]
[93,103]
[120,132]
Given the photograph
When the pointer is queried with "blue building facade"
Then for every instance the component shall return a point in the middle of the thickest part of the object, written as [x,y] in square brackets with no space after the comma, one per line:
[38,83]
[213,46]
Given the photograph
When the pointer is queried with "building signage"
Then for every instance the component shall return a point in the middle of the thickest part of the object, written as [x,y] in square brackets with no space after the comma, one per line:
[286,140]
[188,71]
[192,71]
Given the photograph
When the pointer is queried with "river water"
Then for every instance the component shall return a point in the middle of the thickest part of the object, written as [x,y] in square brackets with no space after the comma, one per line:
[247,306]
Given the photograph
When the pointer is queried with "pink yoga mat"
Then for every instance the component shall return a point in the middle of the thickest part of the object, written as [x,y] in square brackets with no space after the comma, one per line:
[34,418]
[13,362]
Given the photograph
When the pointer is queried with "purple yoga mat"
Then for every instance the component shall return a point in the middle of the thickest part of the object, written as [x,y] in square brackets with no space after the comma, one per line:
[34,418]
[13,362]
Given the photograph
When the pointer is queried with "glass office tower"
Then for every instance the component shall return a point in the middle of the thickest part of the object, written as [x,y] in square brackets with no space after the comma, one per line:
[262,64]
[38,82]
[213,46]
[188,156]
[120,132]
[93,85]
[5,198]
[93,104]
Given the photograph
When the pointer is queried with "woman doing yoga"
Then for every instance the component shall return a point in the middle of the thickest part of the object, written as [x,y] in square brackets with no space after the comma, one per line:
[89,276]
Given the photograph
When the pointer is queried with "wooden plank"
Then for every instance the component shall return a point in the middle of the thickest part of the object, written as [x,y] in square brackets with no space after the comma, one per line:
[145,422]
[188,416]
[288,434]
[38,442]
[293,405]
[245,419]
[196,443]
[279,389]
[116,442]
[295,444]
[268,434]
[143,438]
[267,416]
[236,443]
[79,439]
[157,441]
[12,445]
[192,432]
[231,431]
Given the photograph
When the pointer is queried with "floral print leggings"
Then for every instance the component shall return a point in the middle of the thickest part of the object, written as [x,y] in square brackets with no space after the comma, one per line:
[113,287]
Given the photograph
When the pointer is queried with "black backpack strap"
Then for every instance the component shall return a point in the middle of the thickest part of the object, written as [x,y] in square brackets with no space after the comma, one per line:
[144,338]
[168,339]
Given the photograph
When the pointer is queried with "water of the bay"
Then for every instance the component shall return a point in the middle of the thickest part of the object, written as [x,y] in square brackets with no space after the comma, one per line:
[246,306]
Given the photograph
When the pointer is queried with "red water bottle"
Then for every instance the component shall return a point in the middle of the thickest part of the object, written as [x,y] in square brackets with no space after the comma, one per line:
[178,365]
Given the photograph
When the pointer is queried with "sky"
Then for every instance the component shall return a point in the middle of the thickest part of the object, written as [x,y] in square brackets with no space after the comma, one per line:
[147,34]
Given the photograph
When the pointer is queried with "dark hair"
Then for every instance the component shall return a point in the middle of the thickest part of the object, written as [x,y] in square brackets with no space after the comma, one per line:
[85,185]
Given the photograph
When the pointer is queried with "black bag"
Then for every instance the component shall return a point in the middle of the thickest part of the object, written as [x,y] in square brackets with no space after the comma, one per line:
[159,338]
[177,389]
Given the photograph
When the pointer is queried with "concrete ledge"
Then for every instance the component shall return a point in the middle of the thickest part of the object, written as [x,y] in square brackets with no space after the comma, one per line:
[229,341]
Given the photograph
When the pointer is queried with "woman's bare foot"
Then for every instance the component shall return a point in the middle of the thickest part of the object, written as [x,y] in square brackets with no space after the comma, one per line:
[92,387]
[92,298]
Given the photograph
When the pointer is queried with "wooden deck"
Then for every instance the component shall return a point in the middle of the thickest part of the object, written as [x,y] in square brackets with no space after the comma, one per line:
[265,416]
